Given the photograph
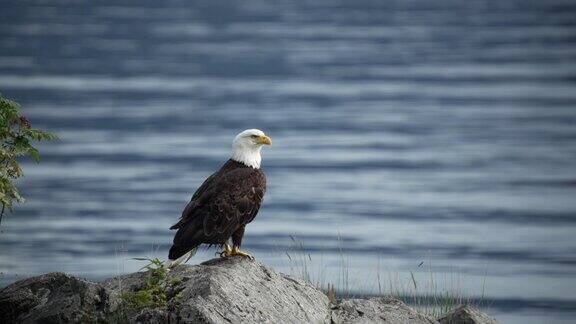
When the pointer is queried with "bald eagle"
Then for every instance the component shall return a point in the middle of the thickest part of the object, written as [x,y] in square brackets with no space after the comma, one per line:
[222,206]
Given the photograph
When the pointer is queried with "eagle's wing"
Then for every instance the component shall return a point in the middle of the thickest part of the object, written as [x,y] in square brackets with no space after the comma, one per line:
[222,204]
[201,194]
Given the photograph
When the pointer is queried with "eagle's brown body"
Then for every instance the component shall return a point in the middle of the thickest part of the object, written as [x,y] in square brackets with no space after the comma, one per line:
[220,209]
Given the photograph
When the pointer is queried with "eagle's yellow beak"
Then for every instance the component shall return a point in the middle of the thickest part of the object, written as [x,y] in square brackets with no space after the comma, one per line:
[264,140]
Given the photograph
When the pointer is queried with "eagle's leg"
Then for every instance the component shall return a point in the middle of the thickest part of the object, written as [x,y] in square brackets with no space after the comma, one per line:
[237,241]
[226,252]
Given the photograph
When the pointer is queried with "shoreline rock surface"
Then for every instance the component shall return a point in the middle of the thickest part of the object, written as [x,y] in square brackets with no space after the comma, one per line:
[229,290]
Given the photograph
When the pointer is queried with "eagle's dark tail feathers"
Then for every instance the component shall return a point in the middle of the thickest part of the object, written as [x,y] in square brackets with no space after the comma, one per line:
[177,251]
[178,255]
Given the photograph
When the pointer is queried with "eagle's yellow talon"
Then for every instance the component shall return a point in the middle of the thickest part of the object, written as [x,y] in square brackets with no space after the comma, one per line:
[236,251]
[226,252]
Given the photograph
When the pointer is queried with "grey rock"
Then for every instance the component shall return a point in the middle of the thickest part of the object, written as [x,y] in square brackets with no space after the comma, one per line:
[377,310]
[233,290]
[466,315]
[52,298]
[230,290]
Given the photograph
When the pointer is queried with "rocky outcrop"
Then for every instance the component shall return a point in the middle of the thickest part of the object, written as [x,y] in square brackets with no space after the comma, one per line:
[229,290]
[234,290]
[52,298]
[377,310]
[466,315]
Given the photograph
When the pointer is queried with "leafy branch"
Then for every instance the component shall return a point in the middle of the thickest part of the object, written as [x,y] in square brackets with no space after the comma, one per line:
[16,138]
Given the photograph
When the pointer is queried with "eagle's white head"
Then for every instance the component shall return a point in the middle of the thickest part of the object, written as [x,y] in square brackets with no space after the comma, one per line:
[247,145]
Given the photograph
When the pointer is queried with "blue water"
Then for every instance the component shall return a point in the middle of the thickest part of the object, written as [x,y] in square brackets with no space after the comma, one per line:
[404,132]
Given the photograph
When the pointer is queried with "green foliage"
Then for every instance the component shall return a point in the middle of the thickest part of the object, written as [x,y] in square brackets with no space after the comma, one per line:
[16,137]
[154,294]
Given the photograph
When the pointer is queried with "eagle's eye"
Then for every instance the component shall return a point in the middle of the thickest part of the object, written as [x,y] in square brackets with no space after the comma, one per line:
[254,136]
